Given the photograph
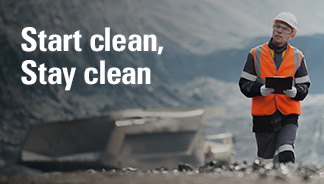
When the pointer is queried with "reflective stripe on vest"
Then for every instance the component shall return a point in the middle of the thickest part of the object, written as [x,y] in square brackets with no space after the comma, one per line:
[265,67]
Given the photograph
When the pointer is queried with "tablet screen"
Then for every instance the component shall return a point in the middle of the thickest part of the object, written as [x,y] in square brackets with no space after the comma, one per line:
[279,83]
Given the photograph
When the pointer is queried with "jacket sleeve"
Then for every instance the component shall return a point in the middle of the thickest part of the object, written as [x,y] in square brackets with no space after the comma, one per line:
[248,85]
[302,81]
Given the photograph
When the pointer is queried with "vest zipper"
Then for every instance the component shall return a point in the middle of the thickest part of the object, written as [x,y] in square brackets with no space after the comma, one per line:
[275,95]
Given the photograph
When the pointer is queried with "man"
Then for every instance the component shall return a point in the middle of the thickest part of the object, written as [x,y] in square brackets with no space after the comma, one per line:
[275,116]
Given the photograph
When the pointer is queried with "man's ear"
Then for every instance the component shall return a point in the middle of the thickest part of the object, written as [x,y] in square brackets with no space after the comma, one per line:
[292,34]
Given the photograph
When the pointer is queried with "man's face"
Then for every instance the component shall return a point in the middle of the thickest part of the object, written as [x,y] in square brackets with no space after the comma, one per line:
[281,33]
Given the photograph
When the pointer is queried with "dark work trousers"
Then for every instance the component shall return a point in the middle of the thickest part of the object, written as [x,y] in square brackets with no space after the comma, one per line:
[279,145]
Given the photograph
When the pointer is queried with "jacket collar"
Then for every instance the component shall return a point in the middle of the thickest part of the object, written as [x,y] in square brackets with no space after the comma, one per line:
[276,48]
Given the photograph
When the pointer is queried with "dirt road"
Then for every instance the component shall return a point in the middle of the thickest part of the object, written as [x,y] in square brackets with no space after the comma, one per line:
[209,174]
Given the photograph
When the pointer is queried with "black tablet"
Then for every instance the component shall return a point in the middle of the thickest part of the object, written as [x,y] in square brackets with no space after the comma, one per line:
[279,83]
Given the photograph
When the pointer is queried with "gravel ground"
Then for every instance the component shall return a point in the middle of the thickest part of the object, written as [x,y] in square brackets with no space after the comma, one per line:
[212,173]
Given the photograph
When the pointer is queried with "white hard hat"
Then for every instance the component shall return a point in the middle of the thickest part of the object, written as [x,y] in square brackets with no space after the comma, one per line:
[288,18]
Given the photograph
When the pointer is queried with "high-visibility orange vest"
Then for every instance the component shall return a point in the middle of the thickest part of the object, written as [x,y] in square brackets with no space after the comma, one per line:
[265,67]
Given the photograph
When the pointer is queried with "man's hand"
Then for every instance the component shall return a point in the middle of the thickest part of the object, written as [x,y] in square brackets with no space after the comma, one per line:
[291,92]
[266,91]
